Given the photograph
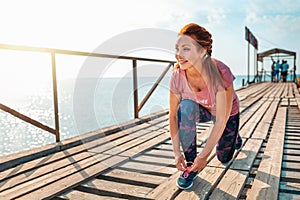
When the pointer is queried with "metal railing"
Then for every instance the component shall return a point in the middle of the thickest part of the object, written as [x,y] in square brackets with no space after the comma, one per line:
[53,53]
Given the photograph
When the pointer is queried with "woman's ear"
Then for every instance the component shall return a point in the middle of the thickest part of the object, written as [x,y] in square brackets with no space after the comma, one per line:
[202,52]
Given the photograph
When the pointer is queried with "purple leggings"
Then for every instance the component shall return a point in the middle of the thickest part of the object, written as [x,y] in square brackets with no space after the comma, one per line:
[190,112]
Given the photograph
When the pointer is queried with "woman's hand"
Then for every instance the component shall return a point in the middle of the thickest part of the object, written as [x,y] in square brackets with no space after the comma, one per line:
[180,162]
[199,164]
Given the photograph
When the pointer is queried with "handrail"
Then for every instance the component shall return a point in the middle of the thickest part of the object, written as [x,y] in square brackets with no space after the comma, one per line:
[77,53]
[53,52]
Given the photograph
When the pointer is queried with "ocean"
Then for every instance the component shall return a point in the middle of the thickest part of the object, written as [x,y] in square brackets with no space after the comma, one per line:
[84,106]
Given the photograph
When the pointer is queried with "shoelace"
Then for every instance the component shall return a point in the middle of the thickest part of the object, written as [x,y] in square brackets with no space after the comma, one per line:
[186,173]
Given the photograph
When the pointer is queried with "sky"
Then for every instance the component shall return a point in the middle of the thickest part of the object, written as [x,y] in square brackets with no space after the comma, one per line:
[84,25]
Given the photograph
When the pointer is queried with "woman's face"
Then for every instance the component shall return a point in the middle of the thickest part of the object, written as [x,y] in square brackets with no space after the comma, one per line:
[188,52]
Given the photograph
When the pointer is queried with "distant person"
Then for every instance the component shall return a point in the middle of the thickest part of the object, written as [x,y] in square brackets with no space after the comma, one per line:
[201,89]
[276,70]
[273,76]
[284,70]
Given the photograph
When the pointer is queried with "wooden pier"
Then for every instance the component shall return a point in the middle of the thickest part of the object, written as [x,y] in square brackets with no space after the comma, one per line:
[135,160]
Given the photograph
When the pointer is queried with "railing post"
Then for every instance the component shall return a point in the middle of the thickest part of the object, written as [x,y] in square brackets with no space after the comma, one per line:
[135,89]
[248,72]
[54,80]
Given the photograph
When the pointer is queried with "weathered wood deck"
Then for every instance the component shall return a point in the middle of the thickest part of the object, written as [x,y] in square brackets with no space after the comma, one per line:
[135,160]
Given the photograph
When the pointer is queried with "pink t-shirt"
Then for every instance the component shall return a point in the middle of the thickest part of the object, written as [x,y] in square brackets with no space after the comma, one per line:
[180,86]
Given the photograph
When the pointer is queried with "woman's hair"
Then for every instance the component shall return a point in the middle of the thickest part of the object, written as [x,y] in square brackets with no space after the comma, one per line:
[204,39]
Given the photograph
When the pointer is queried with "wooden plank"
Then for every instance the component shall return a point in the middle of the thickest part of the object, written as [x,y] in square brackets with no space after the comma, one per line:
[284,102]
[293,102]
[288,196]
[266,182]
[293,129]
[297,96]
[290,174]
[295,187]
[262,128]
[118,188]
[146,145]
[164,147]
[149,168]
[157,160]
[247,130]
[249,127]
[78,195]
[285,92]
[115,146]
[291,165]
[290,92]
[245,116]
[247,155]
[134,142]
[291,158]
[291,152]
[292,146]
[131,176]
[230,186]
[159,153]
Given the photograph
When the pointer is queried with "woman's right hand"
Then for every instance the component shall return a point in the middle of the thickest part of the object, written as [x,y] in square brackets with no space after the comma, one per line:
[180,162]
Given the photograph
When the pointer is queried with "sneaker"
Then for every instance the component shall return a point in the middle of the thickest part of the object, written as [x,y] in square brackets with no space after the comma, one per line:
[238,143]
[185,180]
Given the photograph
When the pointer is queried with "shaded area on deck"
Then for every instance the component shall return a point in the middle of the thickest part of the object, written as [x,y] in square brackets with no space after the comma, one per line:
[135,160]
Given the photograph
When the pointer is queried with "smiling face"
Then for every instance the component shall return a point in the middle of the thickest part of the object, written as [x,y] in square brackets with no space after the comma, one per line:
[188,52]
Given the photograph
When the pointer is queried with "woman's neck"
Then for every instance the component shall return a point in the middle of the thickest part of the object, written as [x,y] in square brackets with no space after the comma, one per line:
[194,72]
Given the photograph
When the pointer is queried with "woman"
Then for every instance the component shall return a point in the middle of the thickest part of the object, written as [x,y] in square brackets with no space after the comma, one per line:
[201,89]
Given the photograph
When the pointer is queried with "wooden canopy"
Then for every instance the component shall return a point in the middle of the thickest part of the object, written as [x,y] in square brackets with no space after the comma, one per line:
[260,56]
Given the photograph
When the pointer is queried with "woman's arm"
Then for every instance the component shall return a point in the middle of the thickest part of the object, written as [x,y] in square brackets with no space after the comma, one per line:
[173,121]
[222,115]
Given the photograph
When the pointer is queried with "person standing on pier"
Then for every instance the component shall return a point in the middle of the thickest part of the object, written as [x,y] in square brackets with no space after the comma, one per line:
[273,75]
[201,90]
[277,67]
[284,70]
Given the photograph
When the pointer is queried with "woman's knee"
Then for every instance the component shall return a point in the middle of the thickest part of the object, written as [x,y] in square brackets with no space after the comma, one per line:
[186,107]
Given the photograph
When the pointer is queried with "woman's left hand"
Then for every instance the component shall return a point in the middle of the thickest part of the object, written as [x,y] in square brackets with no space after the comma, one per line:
[199,164]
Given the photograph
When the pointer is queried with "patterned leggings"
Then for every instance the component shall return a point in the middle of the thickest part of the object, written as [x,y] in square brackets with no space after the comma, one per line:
[190,112]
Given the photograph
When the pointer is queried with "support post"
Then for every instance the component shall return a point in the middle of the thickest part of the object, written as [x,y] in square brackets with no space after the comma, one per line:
[248,75]
[54,80]
[135,89]
[295,76]
[256,78]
